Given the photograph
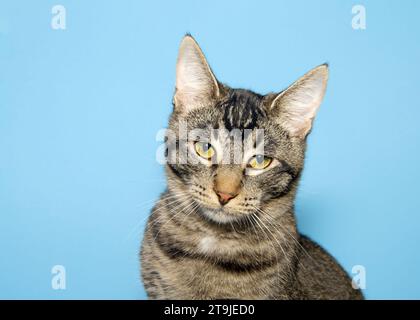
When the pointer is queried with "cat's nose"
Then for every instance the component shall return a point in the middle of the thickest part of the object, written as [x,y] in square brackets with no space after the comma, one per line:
[224,197]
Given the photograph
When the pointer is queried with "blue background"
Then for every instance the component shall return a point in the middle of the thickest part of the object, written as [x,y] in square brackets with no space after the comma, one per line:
[80,108]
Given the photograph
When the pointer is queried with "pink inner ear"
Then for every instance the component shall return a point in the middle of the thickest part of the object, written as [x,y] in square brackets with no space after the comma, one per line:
[195,82]
[296,107]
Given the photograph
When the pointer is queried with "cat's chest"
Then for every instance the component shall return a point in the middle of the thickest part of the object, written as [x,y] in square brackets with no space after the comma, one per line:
[211,275]
[200,280]
[213,245]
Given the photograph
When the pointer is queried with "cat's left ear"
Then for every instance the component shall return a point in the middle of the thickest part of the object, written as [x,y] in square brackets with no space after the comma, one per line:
[196,84]
[296,106]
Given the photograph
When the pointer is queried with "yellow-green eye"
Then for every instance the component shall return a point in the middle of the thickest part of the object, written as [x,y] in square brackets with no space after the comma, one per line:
[204,150]
[259,162]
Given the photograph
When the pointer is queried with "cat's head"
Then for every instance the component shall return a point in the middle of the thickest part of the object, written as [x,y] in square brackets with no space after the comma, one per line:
[236,151]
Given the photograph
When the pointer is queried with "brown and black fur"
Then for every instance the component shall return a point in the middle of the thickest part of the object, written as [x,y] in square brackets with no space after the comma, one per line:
[195,248]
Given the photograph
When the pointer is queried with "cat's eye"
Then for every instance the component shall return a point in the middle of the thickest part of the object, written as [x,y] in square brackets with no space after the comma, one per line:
[204,150]
[259,162]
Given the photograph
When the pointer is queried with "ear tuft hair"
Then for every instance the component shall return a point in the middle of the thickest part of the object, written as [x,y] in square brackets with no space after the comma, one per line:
[296,106]
[196,84]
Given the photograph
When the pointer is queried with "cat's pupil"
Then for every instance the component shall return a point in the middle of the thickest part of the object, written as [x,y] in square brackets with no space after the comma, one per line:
[259,158]
[206,147]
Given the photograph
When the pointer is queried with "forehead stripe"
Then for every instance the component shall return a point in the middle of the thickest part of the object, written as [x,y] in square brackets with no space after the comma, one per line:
[242,110]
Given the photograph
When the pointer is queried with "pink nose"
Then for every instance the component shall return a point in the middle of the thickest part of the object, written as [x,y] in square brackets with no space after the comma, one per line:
[224,197]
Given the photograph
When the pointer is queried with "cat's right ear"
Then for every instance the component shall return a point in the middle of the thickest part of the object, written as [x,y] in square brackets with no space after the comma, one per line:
[196,85]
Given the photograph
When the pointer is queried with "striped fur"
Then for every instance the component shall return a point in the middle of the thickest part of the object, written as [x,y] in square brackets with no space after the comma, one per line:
[249,248]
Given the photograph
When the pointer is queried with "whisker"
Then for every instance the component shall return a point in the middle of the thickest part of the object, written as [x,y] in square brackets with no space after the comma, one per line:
[271,218]
[177,197]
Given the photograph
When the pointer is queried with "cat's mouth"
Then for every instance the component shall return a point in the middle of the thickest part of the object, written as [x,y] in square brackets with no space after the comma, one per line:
[223,215]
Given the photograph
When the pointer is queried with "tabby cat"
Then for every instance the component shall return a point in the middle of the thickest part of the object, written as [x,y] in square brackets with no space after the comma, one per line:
[226,229]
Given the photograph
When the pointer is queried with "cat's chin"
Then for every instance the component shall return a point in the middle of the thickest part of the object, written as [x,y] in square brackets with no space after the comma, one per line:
[222,216]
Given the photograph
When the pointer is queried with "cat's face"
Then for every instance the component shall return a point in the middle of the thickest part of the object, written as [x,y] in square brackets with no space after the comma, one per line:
[234,150]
